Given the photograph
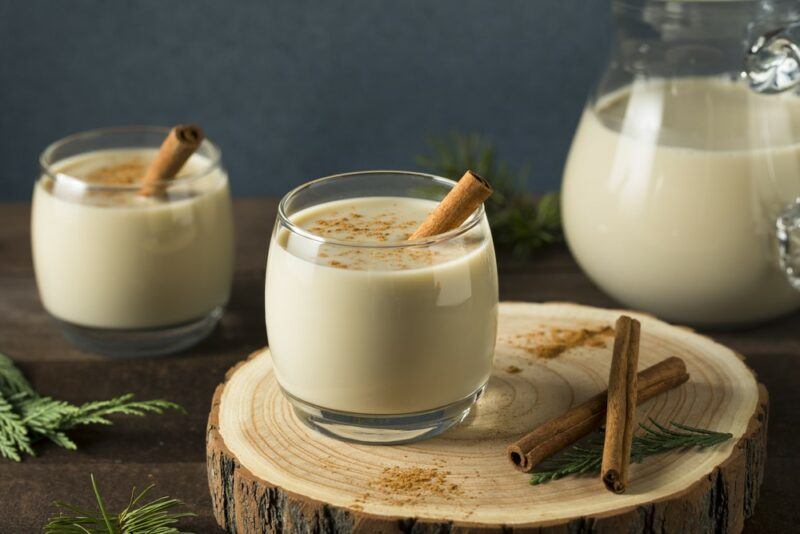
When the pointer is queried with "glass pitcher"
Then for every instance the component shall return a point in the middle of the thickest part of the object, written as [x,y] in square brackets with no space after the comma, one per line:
[681,193]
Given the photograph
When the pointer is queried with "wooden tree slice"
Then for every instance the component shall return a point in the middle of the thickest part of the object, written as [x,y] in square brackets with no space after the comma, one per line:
[270,473]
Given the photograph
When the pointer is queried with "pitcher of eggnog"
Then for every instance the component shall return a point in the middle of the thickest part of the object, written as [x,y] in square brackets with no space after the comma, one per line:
[681,193]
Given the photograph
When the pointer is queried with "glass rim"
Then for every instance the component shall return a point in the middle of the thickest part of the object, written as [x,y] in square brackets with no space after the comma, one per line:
[642,3]
[473,220]
[46,162]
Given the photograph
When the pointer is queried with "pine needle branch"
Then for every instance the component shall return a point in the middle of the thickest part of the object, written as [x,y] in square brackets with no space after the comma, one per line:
[653,439]
[519,222]
[153,517]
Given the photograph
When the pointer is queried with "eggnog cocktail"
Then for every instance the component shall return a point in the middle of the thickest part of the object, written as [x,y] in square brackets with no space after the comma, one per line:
[126,273]
[370,333]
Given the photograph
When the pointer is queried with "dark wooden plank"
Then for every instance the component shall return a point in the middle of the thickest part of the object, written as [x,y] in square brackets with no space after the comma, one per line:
[779,372]
[777,511]
[169,449]
[29,490]
[28,333]
[15,249]
[172,437]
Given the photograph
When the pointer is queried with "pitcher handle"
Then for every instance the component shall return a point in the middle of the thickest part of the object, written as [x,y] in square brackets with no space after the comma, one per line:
[772,63]
[788,235]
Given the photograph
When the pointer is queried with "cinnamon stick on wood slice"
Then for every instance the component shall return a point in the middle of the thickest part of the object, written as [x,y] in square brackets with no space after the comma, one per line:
[562,431]
[621,406]
[469,193]
[178,146]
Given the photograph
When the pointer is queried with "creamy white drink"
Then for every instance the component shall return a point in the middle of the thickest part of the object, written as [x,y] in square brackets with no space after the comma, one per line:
[360,322]
[108,258]
[671,193]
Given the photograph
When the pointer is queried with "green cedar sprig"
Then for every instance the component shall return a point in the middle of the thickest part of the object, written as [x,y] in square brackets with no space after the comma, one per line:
[26,417]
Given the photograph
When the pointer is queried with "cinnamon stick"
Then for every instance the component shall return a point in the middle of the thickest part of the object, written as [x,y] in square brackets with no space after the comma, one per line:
[621,406]
[178,146]
[561,431]
[469,193]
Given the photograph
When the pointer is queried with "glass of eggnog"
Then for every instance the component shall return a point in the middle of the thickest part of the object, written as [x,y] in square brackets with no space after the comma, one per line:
[376,337]
[123,273]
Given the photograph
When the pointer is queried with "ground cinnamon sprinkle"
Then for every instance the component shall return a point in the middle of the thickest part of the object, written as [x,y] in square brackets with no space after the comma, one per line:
[383,226]
[555,341]
[379,228]
[129,172]
[513,369]
[410,484]
[596,342]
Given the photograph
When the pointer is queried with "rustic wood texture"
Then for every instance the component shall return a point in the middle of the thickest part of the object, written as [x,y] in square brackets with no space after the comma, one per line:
[169,450]
[269,472]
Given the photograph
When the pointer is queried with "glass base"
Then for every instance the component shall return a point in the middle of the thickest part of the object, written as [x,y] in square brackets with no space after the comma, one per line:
[146,342]
[392,429]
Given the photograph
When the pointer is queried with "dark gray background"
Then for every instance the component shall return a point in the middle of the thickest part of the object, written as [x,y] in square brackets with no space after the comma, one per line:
[294,90]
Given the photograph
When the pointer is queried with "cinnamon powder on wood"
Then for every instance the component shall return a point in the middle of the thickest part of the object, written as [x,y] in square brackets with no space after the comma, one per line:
[555,341]
[410,484]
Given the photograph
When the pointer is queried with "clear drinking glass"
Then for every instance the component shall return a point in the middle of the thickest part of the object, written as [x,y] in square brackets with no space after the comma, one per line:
[379,341]
[680,191]
[123,274]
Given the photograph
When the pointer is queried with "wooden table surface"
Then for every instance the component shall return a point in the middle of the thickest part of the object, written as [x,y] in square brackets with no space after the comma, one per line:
[169,450]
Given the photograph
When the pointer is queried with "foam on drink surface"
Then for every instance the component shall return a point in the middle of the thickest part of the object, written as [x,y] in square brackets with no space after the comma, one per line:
[373,225]
[113,174]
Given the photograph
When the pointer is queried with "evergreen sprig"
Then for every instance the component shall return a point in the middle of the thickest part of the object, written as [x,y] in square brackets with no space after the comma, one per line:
[154,517]
[12,381]
[519,222]
[13,432]
[26,417]
[654,439]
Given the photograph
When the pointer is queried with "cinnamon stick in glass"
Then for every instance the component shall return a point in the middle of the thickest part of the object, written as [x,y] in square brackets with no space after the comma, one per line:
[178,146]
[621,406]
[566,429]
[469,193]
